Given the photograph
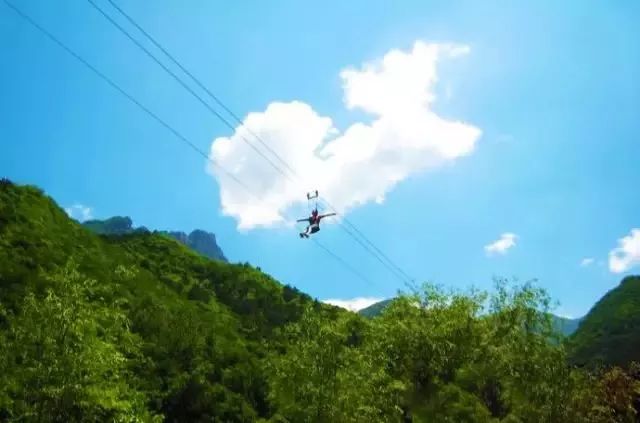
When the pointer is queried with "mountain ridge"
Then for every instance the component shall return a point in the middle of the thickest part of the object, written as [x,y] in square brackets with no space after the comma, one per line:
[199,240]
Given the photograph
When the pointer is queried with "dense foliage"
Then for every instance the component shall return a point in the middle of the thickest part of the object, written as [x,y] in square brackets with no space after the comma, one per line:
[450,357]
[140,328]
[196,330]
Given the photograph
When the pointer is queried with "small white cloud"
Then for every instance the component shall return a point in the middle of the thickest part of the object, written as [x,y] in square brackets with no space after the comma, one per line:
[353,167]
[507,240]
[627,254]
[79,212]
[587,261]
[354,304]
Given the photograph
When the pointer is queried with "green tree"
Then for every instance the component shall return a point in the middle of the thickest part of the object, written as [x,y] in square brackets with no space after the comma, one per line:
[65,356]
[324,377]
[423,340]
[477,357]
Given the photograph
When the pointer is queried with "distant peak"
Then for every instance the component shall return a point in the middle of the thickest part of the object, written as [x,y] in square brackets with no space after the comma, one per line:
[205,243]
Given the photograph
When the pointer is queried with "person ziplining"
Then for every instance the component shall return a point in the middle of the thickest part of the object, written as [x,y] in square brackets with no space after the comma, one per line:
[314,219]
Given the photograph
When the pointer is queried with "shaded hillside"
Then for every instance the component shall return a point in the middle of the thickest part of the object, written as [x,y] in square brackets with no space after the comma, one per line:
[610,332]
[563,325]
[201,241]
[193,332]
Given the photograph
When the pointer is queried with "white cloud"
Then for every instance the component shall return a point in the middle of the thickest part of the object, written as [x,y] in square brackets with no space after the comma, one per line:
[627,254]
[79,212]
[587,261]
[353,167]
[507,240]
[354,304]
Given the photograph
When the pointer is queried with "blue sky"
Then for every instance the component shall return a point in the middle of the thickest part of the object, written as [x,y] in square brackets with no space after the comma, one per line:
[552,86]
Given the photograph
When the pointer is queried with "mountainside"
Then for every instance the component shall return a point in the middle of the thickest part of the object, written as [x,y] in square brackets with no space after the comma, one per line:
[201,241]
[610,332]
[563,325]
[193,330]
[139,327]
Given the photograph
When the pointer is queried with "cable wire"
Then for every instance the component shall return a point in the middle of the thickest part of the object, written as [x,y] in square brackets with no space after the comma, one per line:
[198,83]
[376,252]
[159,120]
[182,83]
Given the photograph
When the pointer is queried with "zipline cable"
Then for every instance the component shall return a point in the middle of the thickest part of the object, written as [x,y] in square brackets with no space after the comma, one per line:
[198,83]
[376,252]
[239,121]
[181,82]
[159,120]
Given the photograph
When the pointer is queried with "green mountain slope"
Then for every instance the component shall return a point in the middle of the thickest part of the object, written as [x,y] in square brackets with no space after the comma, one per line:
[610,332]
[200,327]
[139,327]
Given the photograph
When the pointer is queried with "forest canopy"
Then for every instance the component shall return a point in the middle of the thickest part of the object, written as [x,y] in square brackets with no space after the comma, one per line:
[138,327]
